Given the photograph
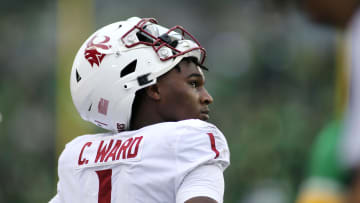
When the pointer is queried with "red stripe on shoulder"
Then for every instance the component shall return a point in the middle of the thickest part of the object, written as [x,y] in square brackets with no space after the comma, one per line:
[213,146]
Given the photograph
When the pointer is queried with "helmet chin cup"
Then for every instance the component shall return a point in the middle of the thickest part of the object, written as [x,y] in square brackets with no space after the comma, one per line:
[120,59]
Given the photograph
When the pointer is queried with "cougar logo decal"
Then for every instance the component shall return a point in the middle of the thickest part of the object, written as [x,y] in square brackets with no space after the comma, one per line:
[92,47]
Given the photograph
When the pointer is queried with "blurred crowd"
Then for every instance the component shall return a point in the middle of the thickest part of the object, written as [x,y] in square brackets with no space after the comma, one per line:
[280,80]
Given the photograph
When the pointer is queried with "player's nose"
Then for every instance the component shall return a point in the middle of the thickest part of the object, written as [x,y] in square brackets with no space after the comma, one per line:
[205,97]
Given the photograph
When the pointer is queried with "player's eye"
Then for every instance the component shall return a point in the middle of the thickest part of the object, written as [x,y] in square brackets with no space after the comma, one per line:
[194,84]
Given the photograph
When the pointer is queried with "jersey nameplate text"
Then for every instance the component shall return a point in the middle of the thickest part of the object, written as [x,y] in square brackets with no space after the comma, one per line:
[109,151]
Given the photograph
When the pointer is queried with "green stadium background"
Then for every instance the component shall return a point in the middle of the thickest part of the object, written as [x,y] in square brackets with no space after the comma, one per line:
[272,75]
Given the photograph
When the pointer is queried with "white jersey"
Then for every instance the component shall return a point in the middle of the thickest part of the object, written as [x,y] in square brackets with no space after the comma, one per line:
[166,162]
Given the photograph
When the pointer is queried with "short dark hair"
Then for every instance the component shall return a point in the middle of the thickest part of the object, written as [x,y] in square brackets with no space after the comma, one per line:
[139,95]
[189,60]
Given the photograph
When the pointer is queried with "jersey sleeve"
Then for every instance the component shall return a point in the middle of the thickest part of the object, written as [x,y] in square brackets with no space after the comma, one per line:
[205,180]
[324,160]
[326,176]
[200,144]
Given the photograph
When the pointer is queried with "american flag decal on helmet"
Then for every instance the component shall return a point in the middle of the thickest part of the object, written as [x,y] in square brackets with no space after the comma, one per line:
[92,55]
[103,106]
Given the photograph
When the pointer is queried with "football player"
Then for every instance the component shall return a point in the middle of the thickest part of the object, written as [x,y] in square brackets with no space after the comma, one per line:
[145,84]
[330,178]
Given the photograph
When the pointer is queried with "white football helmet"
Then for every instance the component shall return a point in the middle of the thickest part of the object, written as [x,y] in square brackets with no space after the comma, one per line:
[118,60]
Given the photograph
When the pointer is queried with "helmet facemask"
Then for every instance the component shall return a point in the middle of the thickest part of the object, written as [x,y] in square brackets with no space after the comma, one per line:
[149,33]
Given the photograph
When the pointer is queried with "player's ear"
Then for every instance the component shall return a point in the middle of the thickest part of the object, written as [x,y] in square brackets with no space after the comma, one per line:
[153,92]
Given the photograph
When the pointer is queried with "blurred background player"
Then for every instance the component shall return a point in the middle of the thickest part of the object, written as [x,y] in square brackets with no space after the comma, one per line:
[145,83]
[330,179]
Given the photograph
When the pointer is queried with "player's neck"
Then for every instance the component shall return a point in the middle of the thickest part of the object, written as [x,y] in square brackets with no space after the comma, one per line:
[146,115]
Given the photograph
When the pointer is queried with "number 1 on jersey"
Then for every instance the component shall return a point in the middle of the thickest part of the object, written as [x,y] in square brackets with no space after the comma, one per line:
[104,195]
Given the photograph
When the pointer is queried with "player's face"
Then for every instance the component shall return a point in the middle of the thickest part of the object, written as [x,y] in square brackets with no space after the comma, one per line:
[183,94]
[331,12]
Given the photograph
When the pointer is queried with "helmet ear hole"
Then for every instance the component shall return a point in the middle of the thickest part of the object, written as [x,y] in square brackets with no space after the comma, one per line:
[130,68]
[78,77]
